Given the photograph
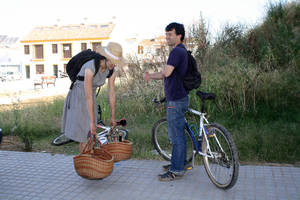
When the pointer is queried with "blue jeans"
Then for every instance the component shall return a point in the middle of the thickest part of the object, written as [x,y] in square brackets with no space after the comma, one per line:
[176,123]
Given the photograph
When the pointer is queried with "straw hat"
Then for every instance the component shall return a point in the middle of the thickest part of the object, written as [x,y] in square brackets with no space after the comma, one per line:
[113,52]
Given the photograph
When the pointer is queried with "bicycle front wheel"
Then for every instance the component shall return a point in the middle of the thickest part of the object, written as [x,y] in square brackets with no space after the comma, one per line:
[221,162]
[162,143]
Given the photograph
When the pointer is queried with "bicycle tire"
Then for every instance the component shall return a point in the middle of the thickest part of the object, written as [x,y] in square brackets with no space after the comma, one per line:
[227,163]
[162,143]
[60,140]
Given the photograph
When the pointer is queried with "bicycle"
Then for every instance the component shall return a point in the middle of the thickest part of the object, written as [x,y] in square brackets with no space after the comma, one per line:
[103,136]
[211,141]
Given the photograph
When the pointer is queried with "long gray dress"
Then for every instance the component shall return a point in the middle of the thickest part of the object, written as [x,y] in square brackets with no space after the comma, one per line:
[75,119]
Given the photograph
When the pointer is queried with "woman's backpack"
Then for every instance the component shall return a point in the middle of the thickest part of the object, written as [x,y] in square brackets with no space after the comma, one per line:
[75,64]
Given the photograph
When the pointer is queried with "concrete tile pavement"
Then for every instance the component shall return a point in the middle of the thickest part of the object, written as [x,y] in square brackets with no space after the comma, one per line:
[29,175]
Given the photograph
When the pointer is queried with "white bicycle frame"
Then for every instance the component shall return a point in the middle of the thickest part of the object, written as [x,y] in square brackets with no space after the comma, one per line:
[203,121]
[105,132]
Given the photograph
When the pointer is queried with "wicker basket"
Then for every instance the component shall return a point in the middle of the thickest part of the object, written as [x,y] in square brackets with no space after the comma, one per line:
[94,164]
[119,150]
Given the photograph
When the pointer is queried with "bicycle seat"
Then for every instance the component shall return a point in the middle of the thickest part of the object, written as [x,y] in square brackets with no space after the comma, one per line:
[206,96]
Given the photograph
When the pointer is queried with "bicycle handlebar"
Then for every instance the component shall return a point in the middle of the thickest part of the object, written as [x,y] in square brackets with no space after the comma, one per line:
[122,122]
[154,100]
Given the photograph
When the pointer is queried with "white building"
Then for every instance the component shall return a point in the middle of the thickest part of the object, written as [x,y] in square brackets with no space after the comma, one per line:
[47,49]
[10,55]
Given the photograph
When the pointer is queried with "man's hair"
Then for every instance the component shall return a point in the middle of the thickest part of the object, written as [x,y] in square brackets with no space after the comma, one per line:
[179,29]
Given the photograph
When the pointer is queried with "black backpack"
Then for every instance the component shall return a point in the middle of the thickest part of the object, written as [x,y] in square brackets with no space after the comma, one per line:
[76,62]
[192,78]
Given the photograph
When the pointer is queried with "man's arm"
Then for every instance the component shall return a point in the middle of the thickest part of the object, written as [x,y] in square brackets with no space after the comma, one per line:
[112,99]
[166,72]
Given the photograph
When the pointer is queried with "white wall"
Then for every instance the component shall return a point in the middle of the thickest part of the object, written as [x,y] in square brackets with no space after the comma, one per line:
[51,59]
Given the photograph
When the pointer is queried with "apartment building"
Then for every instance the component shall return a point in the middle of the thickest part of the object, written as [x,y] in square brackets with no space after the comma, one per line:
[47,49]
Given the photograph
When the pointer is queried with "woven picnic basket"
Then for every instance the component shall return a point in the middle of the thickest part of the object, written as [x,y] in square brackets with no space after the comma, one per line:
[119,150]
[95,163]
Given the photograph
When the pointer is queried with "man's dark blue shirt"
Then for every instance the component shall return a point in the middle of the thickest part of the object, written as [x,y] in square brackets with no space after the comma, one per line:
[173,85]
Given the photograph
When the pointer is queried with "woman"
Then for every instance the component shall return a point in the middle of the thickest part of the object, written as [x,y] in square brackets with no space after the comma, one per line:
[80,108]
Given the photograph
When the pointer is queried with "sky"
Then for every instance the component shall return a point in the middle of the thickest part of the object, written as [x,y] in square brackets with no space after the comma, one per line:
[135,18]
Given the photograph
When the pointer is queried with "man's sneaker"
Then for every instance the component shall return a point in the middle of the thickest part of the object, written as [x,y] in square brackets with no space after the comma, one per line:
[186,167]
[169,176]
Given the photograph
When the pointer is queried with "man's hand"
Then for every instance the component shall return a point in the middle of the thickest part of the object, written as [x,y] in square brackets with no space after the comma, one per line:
[147,77]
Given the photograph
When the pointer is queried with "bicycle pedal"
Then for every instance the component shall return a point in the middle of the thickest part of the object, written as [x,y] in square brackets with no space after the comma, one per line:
[211,135]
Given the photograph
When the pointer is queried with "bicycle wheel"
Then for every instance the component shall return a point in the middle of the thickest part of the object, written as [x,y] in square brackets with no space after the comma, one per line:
[162,143]
[223,167]
[60,140]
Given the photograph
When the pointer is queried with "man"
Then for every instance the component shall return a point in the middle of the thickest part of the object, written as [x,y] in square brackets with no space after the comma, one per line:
[177,99]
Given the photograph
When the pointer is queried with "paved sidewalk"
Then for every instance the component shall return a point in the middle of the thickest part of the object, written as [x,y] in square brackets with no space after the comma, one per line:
[45,176]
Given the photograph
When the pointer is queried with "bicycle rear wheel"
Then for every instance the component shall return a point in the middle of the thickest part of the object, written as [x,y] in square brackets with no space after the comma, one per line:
[60,140]
[223,167]
[162,143]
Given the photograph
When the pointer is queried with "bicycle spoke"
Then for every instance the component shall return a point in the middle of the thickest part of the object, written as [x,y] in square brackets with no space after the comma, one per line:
[222,165]
[162,143]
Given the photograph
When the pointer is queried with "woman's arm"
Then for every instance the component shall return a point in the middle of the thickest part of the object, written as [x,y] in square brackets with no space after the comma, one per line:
[112,99]
[88,88]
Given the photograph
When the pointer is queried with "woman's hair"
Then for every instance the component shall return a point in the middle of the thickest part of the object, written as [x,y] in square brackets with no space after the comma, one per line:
[99,58]
[102,57]
[179,29]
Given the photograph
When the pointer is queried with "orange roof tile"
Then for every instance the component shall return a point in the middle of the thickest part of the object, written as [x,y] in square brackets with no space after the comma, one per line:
[69,32]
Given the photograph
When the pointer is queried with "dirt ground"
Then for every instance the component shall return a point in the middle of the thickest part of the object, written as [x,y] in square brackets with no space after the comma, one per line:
[11,143]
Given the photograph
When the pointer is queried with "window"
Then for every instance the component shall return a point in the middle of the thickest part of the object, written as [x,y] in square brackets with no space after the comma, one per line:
[140,49]
[83,46]
[65,68]
[38,51]
[54,48]
[67,50]
[55,70]
[95,45]
[39,69]
[26,49]
[27,71]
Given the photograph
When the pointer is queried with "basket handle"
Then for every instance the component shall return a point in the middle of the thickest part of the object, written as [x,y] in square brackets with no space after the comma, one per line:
[90,145]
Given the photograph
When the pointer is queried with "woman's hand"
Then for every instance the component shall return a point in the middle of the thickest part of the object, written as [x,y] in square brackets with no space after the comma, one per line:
[113,122]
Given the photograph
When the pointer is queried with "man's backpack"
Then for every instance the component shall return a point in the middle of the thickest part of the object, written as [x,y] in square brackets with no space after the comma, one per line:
[192,78]
[77,61]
